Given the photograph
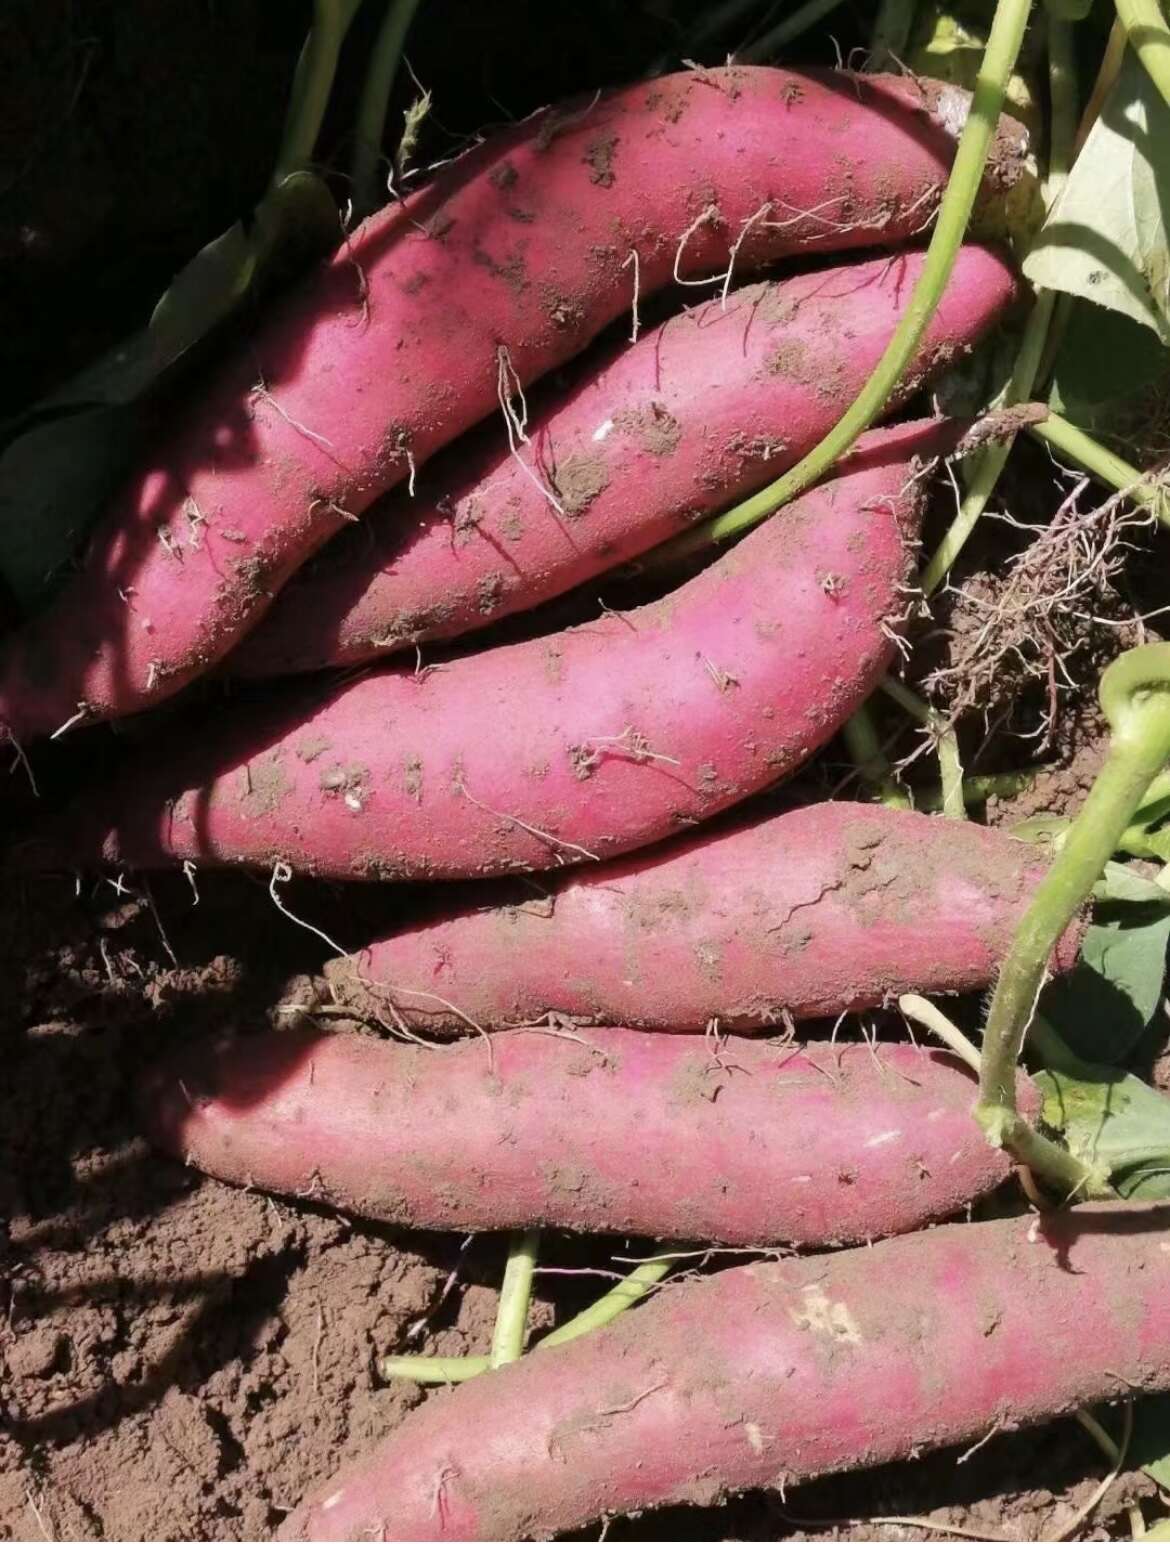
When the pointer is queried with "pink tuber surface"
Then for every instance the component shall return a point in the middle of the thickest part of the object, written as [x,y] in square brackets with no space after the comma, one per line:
[557,750]
[609,1131]
[699,412]
[830,908]
[767,1374]
[506,266]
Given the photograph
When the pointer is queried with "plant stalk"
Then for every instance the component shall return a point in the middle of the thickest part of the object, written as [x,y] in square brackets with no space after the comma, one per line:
[950,764]
[375,102]
[312,84]
[1149,37]
[981,787]
[984,469]
[1135,698]
[1103,464]
[457,1369]
[864,746]
[515,1296]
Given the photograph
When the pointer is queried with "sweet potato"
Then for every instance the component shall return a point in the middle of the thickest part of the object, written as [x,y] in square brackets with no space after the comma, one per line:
[831,1144]
[700,411]
[560,749]
[833,907]
[500,270]
[766,1374]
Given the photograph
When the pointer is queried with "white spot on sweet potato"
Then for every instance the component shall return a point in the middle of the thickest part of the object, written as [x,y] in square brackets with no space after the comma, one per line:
[882,1138]
[824,1317]
[603,431]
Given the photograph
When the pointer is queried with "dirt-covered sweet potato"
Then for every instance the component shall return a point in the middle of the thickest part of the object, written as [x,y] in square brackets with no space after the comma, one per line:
[561,749]
[605,1130]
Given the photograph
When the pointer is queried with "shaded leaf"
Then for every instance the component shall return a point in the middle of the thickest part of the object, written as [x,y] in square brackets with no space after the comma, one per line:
[65,457]
[1106,236]
[1149,1447]
[52,480]
[1102,1007]
[1111,377]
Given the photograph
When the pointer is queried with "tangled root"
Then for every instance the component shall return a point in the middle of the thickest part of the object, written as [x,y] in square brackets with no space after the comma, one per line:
[1052,616]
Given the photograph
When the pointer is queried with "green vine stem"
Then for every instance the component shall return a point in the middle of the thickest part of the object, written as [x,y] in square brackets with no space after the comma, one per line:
[954,214]
[946,741]
[1148,491]
[865,748]
[457,1369]
[765,49]
[1149,37]
[433,1369]
[985,466]
[981,787]
[374,103]
[984,469]
[312,84]
[515,1296]
[1109,70]
[1135,698]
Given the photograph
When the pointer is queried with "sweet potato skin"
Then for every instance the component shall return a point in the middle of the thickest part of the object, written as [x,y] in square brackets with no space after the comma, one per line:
[767,1374]
[829,1144]
[813,912]
[556,750]
[394,348]
[699,412]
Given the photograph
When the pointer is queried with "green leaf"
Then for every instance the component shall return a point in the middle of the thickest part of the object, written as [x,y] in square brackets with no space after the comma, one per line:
[1106,237]
[298,210]
[1111,1117]
[1122,882]
[1111,377]
[1102,1007]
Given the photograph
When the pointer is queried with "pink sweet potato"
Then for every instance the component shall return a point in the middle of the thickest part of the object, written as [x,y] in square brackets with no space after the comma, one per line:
[700,411]
[831,1144]
[821,910]
[556,750]
[500,270]
[767,1374]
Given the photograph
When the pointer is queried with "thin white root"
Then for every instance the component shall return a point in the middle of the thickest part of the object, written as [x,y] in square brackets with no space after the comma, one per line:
[634,324]
[508,386]
[281,875]
[708,217]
